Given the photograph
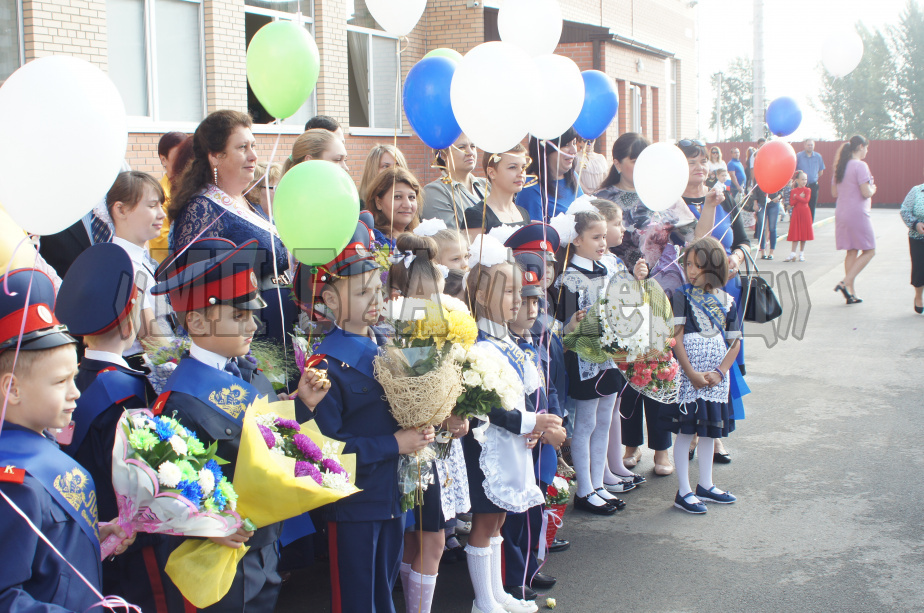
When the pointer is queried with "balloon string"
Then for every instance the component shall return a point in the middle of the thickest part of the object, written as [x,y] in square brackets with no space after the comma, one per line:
[272,239]
[9,263]
[109,602]
[22,330]
[587,144]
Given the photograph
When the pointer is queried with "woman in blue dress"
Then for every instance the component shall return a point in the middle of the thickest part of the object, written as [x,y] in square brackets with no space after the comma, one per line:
[728,228]
[210,202]
[552,163]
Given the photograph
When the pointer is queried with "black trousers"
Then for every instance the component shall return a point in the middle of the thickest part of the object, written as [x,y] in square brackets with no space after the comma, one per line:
[814,199]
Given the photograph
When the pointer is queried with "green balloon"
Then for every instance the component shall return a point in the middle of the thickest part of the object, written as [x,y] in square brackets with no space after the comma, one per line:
[452,54]
[283,64]
[316,208]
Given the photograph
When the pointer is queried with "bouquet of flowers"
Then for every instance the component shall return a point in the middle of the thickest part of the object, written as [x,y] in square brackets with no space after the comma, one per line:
[421,373]
[166,481]
[269,358]
[657,378]
[557,497]
[489,381]
[304,346]
[633,321]
[161,356]
[269,490]
[559,491]
[284,437]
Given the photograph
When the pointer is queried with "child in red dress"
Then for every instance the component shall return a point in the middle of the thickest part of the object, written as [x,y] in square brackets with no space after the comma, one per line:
[800,225]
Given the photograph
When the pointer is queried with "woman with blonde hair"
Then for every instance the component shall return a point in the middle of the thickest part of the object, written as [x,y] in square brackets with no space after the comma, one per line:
[261,190]
[394,201]
[381,157]
[317,144]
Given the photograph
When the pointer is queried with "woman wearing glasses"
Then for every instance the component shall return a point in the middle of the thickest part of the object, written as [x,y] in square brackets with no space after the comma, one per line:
[719,218]
[448,197]
[715,161]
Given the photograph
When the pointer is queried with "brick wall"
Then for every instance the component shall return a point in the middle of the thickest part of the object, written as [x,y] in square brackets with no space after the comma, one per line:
[225,55]
[331,36]
[65,27]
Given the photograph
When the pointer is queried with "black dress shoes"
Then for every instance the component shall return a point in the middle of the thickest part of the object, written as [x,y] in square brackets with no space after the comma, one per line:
[559,545]
[521,592]
[580,502]
[721,458]
[542,582]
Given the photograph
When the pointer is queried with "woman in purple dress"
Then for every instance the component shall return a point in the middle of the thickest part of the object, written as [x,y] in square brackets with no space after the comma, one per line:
[853,229]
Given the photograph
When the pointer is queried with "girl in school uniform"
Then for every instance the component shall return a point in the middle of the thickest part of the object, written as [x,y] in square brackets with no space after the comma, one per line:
[499,457]
[588,269]
[415,274]
[707,333]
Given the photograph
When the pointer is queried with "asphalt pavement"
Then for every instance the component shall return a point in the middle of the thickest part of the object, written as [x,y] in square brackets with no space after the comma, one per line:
[826,467]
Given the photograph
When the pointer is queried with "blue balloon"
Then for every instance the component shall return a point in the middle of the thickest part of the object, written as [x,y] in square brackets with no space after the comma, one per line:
[427,103]
[783,116]
[601,103]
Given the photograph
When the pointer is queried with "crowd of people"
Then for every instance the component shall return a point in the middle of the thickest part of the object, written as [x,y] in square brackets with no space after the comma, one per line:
[208,265]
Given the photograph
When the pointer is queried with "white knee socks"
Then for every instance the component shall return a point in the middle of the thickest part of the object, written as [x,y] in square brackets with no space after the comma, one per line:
[404,572]
[480,571]
[418,595]
[682,462]
[705,449]
[497,579]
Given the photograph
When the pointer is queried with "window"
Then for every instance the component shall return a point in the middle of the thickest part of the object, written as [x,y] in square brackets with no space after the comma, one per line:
[258,14]
[374,74]
[10,37]
[635,109]
[155,57]
[673,107]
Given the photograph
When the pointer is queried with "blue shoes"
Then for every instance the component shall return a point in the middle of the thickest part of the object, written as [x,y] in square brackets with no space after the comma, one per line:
[682,502]
[713,495]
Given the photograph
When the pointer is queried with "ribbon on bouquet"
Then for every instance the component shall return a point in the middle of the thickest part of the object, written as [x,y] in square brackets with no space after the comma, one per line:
[109,602]
[479,432]
[547,514]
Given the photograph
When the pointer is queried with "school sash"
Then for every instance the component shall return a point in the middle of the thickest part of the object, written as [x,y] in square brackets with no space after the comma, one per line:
[68,482]
[110,387]
[223,392]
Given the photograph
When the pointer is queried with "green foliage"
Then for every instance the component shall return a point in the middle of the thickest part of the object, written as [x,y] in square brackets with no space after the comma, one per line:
[859,102]
[737,99]
[908,41]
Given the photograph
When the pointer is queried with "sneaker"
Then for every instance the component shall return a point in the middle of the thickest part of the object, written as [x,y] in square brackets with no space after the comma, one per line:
[687,504]
[801,258]
[713,495]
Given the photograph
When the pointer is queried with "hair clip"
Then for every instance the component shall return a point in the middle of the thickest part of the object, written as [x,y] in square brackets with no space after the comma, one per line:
[496,158]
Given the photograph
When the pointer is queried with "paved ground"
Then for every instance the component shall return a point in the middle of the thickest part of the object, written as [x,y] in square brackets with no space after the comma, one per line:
[826,466]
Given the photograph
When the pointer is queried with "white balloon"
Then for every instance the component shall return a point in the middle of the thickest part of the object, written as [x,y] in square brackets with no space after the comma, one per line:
[661,175]
[398,17]
[842,53]
[64,135]
[534,25]
[492,90]
[560,96]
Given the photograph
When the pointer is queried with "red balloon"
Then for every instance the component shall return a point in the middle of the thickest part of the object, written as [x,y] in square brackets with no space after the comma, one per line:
[774,166]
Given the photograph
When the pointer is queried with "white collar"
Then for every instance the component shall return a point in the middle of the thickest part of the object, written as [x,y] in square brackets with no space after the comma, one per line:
[493,328]
[106,356]
[582,262]
[207,357]
[134,251]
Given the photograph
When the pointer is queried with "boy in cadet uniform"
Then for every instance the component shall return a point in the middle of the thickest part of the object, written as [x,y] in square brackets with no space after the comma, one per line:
[99,301]
[215,299]
[53,491]
[365,530]
[521,531]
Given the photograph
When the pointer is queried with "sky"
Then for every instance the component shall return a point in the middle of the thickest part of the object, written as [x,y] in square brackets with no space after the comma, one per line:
[794,32]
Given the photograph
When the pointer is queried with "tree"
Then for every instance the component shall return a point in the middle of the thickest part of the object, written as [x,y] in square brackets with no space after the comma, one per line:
[736,99]
[859,103]
[908,39]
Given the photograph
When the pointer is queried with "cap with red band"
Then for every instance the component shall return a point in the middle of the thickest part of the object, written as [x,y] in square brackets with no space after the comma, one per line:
[355,259]
[228,278]
[98,290]
[536,237]
[34,319]
[532,266]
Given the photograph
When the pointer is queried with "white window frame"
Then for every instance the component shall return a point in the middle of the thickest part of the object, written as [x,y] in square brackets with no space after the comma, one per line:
[20,33]
[673,132]
[365,130]
[635,113]
[152,123]
[306,19]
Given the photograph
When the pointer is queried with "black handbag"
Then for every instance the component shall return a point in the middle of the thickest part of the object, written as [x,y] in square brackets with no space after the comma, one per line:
[760,302]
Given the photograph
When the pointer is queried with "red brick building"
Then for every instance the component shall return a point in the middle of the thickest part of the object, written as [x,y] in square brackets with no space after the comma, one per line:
[176,60]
